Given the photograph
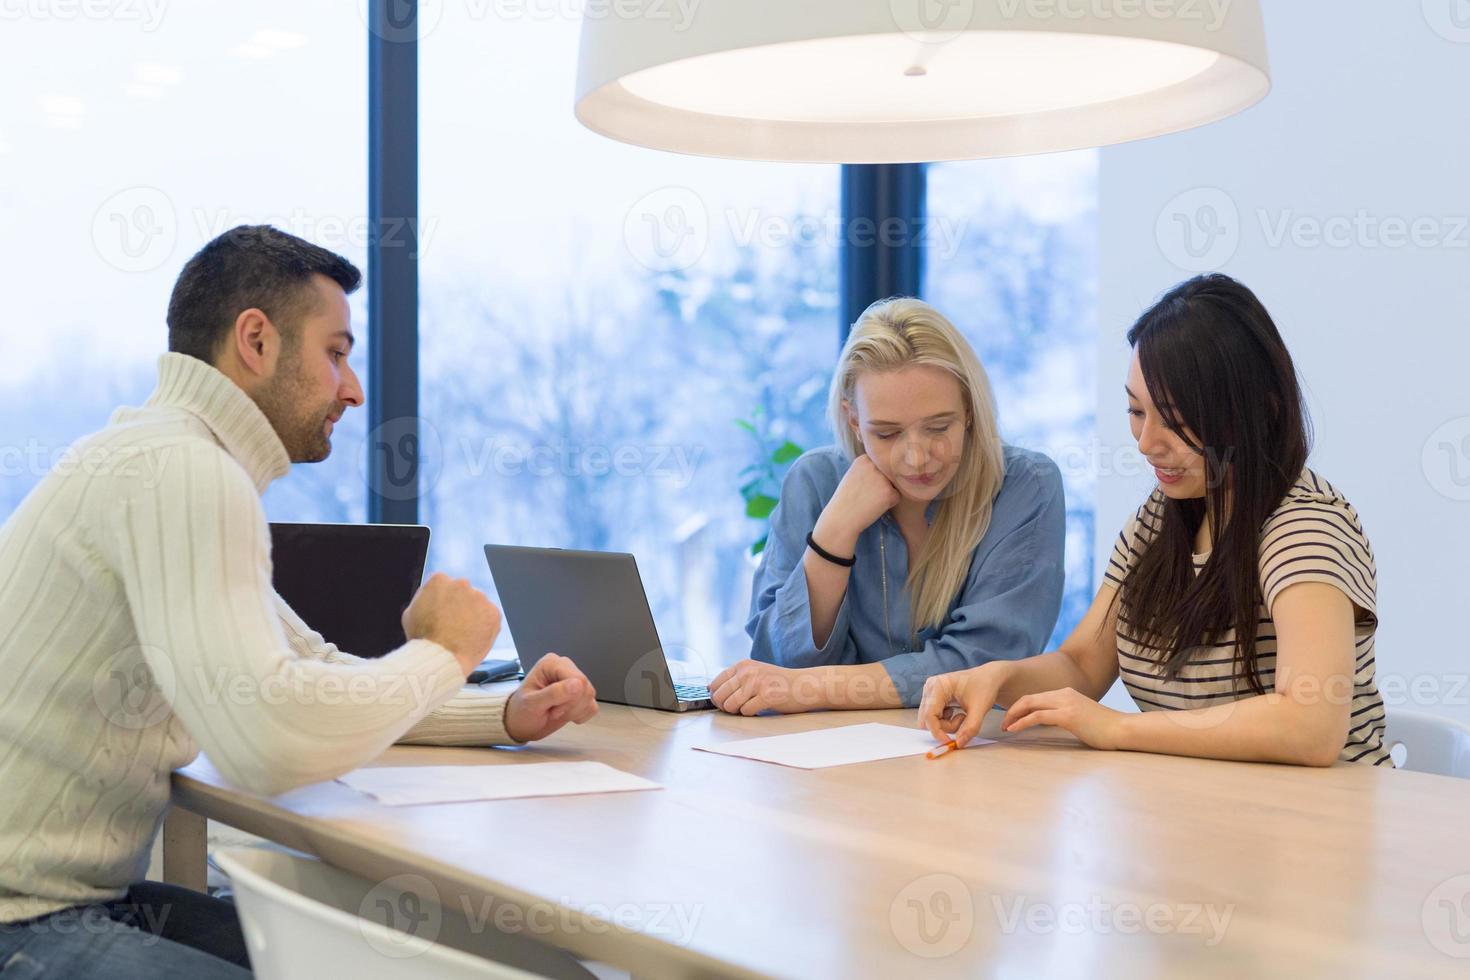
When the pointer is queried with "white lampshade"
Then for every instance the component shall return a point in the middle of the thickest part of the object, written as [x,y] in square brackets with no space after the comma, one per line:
[894,81]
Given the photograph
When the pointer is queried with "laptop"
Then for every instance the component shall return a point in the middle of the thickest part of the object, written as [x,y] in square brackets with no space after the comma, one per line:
[350,582]
[590,606]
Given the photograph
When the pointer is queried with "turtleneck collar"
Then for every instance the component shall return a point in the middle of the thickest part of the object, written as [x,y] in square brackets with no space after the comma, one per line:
[187,383]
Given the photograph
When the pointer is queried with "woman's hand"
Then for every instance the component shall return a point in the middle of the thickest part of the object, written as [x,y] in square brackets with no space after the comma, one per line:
[1077,713]
[863,496]
[954,705]
[752,686]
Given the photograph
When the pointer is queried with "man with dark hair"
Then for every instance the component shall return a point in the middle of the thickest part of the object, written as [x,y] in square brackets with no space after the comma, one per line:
[141,627]
[286,281]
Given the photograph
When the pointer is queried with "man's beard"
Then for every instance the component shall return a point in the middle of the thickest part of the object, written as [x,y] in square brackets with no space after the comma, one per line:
[300,425]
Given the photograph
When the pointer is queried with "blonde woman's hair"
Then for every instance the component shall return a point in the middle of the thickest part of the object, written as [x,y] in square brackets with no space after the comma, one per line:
[898,333]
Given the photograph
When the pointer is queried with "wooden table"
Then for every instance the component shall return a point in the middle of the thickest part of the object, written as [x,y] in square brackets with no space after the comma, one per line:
[1031,857]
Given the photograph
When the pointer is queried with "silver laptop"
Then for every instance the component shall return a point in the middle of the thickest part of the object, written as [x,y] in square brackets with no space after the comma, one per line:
[590,606]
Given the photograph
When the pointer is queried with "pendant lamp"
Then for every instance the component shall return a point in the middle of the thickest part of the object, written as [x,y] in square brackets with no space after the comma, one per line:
[899,81]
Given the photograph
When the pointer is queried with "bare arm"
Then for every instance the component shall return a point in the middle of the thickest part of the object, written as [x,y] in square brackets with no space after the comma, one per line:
[954,705]
[826,582]
[1304,721]
[863,496]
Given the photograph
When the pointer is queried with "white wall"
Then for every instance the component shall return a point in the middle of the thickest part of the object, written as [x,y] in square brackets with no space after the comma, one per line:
[1369,121]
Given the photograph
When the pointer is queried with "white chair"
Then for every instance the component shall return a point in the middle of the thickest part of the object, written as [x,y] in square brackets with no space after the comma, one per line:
[1421,742]
[304,919]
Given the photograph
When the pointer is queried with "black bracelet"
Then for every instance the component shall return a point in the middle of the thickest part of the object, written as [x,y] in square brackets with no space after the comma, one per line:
[827,555]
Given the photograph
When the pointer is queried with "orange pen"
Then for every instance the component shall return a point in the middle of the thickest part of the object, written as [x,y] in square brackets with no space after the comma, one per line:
[944,749]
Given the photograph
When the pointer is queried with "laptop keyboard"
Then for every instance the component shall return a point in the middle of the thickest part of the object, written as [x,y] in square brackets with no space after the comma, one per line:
[691,692]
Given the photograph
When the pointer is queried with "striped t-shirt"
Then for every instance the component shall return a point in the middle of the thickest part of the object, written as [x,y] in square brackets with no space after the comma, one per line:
[1313,536]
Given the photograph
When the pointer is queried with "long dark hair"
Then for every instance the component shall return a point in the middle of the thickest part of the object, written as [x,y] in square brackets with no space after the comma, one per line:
[1215,365]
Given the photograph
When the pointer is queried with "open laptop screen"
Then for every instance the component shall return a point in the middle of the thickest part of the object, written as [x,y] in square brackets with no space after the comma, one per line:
[350,582]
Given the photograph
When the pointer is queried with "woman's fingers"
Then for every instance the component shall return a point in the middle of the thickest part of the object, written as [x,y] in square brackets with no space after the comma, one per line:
[1042,716]
[968,728]
[735,700]
[931,719]
[1025,705]
[720,690]
[936,703]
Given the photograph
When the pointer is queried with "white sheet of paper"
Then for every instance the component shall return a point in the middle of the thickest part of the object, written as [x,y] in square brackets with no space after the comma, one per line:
[834,746]
[409,785]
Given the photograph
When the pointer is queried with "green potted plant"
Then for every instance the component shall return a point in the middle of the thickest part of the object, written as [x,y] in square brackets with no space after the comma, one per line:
[762,488]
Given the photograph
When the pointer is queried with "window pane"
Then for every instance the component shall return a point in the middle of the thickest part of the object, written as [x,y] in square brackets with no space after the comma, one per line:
[1013,262]
[596,319]
[126,142]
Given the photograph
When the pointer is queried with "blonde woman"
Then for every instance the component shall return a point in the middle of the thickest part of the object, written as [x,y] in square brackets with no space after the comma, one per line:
[919,544]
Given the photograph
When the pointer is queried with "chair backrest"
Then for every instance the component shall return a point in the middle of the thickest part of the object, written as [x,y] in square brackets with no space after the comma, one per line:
[1423,742]
[303,919]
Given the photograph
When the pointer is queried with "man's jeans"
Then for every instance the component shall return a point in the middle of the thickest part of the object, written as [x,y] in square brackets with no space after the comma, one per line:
[156,931]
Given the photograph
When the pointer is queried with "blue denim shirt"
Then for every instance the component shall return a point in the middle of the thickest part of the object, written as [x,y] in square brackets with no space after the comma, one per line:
[1006,609]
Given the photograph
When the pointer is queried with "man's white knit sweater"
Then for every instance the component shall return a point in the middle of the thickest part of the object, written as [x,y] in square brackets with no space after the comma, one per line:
[140,625]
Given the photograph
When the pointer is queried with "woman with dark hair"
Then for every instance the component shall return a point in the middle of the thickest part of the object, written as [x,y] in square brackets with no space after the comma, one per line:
[1239,603]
